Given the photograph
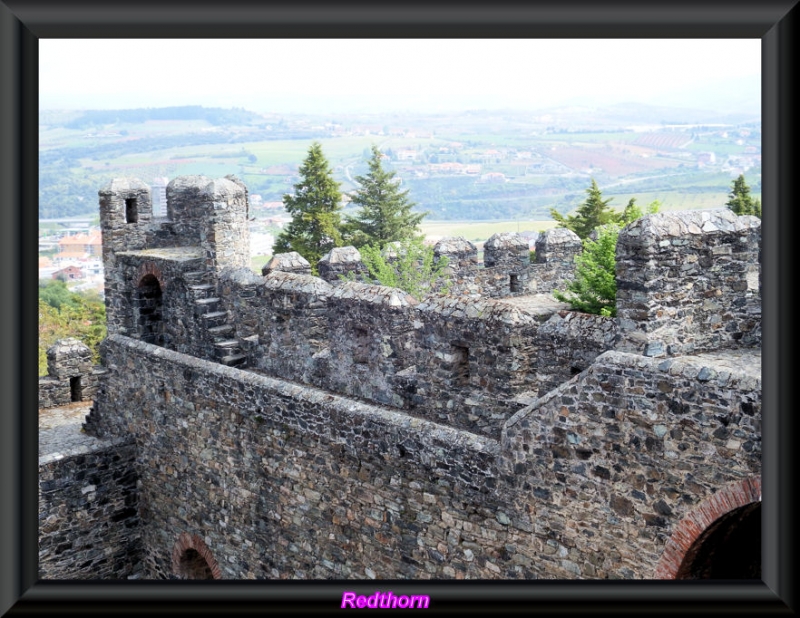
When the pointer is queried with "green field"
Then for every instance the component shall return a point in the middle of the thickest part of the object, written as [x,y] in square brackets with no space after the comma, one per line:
[674,200]
[477,231]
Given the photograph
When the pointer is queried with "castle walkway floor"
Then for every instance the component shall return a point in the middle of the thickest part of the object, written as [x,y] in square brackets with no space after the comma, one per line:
[61,432]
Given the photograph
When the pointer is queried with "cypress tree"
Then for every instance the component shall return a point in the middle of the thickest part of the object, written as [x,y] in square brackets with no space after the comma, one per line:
[740,201]
[316,208]
[593,213]
[385,213]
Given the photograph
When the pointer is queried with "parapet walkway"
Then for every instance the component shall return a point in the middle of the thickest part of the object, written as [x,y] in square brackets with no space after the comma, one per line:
[61,432]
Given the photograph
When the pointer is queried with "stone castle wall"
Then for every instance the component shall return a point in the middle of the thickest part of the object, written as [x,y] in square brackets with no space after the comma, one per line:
[369,434]
[609,461]
[689,282]
[458,361]
[70,374]
[286,481]
[88,518]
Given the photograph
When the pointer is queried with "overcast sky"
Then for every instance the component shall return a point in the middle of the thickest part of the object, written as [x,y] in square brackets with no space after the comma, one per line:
[380,75]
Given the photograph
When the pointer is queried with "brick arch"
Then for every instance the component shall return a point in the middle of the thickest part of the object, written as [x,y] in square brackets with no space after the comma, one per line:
[149,268]
[187,542]
[689,529]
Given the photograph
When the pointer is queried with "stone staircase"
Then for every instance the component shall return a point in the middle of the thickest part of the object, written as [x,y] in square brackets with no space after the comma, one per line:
[224,347]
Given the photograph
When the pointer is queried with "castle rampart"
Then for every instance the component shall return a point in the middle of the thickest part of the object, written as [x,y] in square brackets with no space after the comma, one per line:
[291,427]
[689,282]
[284,480]
[71,376]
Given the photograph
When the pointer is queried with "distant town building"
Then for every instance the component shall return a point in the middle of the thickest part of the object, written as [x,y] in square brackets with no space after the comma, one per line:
[706,158]
[80,246]
[70,273]
[493,177]
[406,155]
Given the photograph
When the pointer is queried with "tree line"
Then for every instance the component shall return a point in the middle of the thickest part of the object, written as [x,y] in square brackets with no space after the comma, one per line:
[385,222]
[63,313]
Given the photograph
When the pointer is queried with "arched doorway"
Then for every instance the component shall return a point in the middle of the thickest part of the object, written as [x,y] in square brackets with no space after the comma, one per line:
[148,310]
[191,559]
[194,566]
[728,549]
[719,539]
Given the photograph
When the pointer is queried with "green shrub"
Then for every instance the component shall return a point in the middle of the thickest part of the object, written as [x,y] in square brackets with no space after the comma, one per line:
[594,289]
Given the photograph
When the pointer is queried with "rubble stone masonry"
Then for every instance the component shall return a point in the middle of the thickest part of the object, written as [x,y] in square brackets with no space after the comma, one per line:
[283,425]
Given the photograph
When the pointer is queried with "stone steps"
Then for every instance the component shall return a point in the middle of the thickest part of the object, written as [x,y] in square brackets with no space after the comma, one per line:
[227,345]
[215,318]
[219,333]
[234,360]
[227,350]
[196,277]
[204,306]
[202,290]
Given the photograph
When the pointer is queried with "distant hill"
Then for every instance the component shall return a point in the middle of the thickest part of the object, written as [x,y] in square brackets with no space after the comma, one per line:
[472,165]
[213,115]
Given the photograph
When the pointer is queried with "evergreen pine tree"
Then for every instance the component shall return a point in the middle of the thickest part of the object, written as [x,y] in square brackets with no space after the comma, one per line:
[594,289]
[316,211]
[593,213]
[633,212]
[385,212]
[740,201]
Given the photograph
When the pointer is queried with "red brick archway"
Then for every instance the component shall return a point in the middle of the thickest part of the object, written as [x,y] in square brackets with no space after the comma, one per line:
[191,559]
[691,527]
[149,268]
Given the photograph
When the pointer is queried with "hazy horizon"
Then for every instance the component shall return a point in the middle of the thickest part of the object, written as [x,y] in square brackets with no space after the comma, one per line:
[335,76]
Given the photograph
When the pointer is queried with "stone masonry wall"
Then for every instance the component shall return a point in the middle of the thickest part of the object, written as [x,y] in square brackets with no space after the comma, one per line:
[88,519]
[611,461]
[175,315]
[689,281]
[568,343]
[554,267]
[453,360]
[70,374]
[286,481]
[55,392]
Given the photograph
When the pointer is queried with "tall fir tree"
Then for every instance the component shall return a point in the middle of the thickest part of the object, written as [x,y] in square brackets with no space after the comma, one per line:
[593,213]
[594,289]
[740,201]
[316,208]
[385,213]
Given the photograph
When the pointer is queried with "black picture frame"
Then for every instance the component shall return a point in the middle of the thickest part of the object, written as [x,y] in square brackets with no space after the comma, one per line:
[22,23]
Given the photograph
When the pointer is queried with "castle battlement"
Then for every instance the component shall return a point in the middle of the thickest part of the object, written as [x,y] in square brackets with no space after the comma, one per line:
[288,425]
[462,359]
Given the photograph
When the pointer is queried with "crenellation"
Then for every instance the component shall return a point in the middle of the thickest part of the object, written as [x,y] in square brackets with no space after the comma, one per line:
[339,263]
[291,262]
[285,425]
[689,282]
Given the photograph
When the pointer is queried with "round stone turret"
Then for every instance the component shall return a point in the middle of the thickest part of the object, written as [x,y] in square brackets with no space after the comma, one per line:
[340,261]
[291,262]
[507,250]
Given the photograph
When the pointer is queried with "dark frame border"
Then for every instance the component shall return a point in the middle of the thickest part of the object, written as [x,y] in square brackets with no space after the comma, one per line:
[22,23]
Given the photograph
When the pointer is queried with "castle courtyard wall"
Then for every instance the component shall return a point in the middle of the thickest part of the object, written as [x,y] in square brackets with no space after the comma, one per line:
[457,361]
[88,518]
[286,481]
[611,461]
